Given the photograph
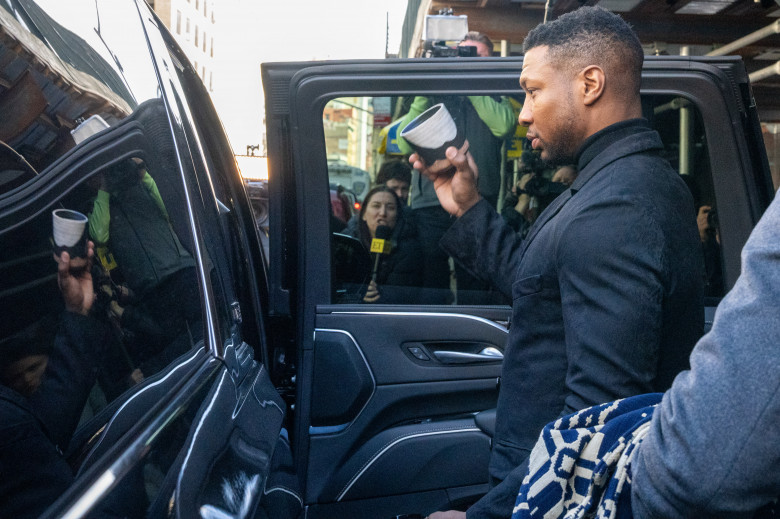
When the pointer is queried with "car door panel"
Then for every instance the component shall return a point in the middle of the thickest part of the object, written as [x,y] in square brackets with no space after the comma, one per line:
[412,397]
[407,417]
[386,337]
[413,458]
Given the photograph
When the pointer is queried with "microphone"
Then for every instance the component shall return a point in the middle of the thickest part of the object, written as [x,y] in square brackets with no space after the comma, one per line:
[380,245]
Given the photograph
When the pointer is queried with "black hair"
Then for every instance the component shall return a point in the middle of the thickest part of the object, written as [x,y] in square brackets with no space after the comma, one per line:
[394,169]
[592,36]
[36,339]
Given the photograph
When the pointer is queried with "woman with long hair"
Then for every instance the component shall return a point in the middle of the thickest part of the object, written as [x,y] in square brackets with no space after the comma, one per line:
[398,273]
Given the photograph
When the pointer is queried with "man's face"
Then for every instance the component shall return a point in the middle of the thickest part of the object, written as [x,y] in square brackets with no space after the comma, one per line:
[482,49]
[400,187]
[549,110]
[24,375]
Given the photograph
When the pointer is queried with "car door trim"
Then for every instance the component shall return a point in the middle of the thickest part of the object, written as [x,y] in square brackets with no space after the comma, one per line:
[284,490]
[426,314]
[168,374]
[222,378]
[95,484]
[332,429]
[392,444]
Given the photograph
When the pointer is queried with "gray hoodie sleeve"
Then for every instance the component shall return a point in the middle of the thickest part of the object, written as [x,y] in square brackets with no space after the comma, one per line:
[714,445]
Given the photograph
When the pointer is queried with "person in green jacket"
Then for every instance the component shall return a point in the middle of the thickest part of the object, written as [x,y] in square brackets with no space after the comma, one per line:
[486,121]
[131,229]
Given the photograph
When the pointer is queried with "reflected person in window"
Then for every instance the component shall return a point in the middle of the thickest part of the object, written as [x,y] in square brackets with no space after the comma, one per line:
[130,219]
[36,427]
[709,234]
[397,276]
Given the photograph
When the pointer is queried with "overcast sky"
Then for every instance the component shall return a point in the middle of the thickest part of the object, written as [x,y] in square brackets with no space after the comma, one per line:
[290,30]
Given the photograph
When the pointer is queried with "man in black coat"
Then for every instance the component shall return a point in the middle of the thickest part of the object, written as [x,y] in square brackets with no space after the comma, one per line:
[34,432]
[606,287]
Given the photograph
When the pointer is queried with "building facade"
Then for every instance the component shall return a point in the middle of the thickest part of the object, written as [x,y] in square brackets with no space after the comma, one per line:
[193,25]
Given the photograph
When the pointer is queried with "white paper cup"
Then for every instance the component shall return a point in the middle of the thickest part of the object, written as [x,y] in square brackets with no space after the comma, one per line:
[432,132]
[69,232]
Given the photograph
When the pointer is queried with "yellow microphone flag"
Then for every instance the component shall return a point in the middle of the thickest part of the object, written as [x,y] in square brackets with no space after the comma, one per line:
[380,246]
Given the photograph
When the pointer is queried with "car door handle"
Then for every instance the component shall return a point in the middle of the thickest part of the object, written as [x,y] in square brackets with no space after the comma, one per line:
[489,354]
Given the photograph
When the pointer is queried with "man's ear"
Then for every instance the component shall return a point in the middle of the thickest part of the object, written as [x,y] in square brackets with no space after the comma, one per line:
[592,84]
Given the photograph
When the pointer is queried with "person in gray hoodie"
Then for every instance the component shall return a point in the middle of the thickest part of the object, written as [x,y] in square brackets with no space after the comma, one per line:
[713,449]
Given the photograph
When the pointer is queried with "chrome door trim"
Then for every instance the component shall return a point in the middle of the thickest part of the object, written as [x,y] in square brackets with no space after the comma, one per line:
[390,313]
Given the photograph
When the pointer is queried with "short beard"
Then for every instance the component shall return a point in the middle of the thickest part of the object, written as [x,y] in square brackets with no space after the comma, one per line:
[557,155]
[563,151]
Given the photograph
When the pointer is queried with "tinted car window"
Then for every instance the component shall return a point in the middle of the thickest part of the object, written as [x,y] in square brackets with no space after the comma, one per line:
[84,129]
[360,142]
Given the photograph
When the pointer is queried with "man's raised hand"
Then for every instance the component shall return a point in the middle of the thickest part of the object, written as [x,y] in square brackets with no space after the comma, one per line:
[454,178]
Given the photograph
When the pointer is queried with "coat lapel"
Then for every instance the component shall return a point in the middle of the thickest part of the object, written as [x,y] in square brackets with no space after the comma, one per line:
[546,216]
[637,143]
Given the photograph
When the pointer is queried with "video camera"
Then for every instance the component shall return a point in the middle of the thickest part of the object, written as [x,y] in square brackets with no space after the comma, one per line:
[440,49]
[443,32]
[541,187]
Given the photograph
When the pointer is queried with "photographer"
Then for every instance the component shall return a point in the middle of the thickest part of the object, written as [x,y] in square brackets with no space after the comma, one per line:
[518,211]
[158,303]
[487,121]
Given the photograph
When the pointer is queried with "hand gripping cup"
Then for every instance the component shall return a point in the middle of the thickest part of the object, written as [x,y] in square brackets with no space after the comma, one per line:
[69,232]
[432,132]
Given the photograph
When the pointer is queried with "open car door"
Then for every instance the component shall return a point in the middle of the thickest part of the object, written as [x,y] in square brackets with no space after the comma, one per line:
[386,395]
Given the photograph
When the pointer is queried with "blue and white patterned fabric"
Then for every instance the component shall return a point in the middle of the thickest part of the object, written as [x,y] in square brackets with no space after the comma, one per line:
[581,465]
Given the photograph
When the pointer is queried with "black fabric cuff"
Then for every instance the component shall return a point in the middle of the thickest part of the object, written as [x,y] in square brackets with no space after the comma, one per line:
[464,239]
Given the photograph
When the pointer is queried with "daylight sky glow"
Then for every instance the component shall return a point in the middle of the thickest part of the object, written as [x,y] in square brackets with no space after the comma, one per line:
[290,30]
[250,32]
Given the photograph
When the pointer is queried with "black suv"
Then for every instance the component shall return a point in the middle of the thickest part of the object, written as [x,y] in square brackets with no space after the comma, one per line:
[211,378]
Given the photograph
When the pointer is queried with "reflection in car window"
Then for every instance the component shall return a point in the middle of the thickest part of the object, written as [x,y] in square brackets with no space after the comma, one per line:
[82,129]
[682,131]
[360,141]
[148,489]
[86,67]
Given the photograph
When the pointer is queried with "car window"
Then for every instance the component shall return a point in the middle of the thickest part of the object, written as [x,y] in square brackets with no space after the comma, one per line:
[87,153]
[364,150]
[228,251]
